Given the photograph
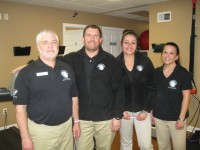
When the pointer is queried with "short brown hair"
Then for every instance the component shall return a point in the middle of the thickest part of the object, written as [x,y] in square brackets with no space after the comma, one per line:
[93,27]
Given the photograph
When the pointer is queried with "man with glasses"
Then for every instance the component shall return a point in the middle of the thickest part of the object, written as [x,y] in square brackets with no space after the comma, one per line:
[101,95]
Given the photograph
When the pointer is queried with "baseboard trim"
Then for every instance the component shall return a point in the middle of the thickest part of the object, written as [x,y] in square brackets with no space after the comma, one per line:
[8,126]
[190,128]
[153,132]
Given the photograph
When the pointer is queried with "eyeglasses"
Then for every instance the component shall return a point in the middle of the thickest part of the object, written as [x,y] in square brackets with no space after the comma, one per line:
[90,36]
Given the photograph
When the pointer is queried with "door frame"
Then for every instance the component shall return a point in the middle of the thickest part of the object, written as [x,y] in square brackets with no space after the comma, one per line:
[69,25]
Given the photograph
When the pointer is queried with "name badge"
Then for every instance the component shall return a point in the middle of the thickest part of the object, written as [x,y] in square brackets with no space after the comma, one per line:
[42,74]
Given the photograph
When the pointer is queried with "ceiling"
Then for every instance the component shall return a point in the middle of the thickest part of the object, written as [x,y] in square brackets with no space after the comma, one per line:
[132,9]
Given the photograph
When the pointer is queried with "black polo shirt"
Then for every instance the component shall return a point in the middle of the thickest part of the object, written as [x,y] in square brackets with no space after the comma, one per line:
[89,64]
[46,91]
[169,94]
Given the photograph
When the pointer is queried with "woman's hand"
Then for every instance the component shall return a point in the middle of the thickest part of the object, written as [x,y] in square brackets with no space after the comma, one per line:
[142,115]
[179,125]
[126,116]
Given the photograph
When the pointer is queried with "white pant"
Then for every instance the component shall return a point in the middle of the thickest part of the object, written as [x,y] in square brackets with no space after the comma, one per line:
[143,131]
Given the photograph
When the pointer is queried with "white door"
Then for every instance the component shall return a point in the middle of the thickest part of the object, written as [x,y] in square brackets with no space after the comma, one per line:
[112,40]
[73,40]
[72,37]
[73,33]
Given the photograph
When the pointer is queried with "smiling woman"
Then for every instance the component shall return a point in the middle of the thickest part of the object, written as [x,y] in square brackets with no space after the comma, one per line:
[173,85]
[137,74]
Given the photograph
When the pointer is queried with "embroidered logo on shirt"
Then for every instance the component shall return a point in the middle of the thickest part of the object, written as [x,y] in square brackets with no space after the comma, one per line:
[101,66]
[139,67]
[14,93]
[172,84]
[65,75]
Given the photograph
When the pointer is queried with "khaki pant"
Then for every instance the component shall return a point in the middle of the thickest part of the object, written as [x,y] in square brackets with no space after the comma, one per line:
[100,130]
[51,137]
[166,131]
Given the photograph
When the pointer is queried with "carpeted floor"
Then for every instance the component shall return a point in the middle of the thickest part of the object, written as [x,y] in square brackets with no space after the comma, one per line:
[10,140]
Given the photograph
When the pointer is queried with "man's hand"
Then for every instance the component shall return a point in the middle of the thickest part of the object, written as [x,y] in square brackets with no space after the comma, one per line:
[115,125]
[27,144]
[76,130]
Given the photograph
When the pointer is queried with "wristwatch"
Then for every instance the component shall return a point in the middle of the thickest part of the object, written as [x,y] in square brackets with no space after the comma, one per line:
[181,119]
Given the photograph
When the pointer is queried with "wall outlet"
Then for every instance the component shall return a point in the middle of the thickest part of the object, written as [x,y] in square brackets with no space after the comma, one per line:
[5,111]
[5,16]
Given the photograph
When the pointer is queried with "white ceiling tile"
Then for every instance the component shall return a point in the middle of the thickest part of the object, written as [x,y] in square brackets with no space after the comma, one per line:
[119,8]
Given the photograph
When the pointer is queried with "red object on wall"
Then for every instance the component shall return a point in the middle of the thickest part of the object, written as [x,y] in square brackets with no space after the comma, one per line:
[144,40]
[194,88]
